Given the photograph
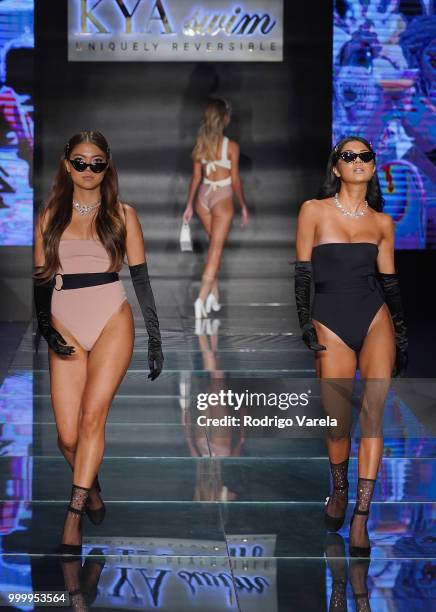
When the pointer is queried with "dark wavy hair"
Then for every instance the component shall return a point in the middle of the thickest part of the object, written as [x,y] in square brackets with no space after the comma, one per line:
[332,183]
[109,225]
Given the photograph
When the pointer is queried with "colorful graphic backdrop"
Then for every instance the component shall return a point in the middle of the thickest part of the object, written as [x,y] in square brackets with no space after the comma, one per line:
[384,71]
[16,121]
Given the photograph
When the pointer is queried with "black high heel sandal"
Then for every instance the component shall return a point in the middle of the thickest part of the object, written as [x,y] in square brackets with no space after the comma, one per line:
[75,550]
[365,491]
[334,523]
[339,472]
[96,516]
[363,552]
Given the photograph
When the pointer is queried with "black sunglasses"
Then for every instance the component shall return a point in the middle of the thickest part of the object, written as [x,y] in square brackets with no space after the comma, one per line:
[80,166]
[350,156]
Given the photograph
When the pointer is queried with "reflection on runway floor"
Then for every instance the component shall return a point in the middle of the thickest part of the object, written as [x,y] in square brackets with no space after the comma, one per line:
[219,518]
[177,583]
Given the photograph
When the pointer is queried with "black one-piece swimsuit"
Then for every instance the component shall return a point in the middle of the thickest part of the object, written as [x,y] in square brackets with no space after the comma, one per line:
[347,292]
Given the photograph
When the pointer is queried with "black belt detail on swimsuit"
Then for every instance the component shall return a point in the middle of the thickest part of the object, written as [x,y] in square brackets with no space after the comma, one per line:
[356,285]
[79,281]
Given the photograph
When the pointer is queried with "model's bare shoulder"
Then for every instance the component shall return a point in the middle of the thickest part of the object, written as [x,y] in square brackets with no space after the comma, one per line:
[128,210]
[384,218]
[126,207]
[130,217]
[311,207]
[385,223]
[133,224]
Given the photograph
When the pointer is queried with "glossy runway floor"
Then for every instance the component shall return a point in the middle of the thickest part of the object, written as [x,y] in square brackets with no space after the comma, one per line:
[200,520]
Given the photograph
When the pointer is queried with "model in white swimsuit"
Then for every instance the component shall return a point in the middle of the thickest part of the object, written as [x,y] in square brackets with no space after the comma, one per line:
[212,192]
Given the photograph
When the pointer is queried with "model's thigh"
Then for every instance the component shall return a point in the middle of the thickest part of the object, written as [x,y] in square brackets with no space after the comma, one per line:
[377,356]
[67,383]
[108,361]
[222,216]
[338,360]
[204,216]
[336,367]
[376,362]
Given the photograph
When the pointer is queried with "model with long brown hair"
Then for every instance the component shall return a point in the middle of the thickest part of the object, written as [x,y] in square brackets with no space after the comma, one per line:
[216,171]
[346,244]
[82,236]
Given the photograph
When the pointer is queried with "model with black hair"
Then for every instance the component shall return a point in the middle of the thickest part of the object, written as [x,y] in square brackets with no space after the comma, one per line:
[345,243]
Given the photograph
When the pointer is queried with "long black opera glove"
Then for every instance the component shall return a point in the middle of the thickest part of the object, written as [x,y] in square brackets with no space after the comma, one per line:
[303,281]
[42,293]
[144,293]
[392,295]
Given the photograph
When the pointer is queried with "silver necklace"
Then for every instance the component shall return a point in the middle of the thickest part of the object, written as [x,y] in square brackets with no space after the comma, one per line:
[350,213]
[84,209]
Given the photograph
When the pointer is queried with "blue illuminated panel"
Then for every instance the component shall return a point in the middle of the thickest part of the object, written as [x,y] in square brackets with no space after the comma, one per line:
[16,417]
[384,71]
[16,121]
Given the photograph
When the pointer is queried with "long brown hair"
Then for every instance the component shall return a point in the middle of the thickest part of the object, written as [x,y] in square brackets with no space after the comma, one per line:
[211,129]
[109,225]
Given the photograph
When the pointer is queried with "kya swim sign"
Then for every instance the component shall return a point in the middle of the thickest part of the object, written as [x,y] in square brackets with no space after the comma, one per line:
[175,30]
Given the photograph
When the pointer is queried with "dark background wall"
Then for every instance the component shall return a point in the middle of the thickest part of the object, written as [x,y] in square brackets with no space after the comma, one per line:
[150,113]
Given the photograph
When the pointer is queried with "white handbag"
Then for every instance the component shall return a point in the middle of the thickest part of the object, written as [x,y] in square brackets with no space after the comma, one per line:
[185,238]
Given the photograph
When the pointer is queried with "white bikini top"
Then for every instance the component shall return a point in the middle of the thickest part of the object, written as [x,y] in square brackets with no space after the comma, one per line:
[224,162]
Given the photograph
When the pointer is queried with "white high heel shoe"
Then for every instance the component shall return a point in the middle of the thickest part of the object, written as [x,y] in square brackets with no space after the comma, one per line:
[212,303]
[200,311]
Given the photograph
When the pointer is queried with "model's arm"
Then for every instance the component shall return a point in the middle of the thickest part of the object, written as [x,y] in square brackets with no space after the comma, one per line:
[135,247]
[305,237]
[305,233]
[193,186]
[234,154]
[135,250]
[42,293]
[385,259]
[391,291]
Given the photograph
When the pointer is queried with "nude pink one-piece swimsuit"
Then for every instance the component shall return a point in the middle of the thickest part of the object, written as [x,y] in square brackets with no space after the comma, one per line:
[85,311]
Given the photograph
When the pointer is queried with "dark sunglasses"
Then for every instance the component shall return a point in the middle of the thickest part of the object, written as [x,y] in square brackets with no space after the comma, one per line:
[80,166]
[349,156]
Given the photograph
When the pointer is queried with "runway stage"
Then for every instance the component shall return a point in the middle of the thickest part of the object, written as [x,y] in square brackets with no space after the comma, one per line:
[203,519]
[197,521]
